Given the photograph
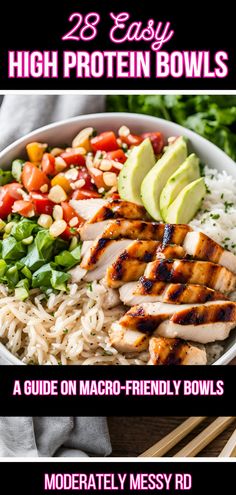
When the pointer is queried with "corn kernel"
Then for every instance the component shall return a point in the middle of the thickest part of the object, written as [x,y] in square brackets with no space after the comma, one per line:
[57,212]
[45,221]
[83,139]
[60,164]
[57,228]
[105,165]
[79,183]
[110,179]
[57,194]
[73,222]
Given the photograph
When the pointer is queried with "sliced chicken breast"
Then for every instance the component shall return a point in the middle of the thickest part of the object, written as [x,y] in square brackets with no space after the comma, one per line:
[136,229]
[146,290]
[87,208]
[86,245]
[203,247]
[193,272]
[170,251]
[175,351]
[117,208]
[131,263]
[101,247]
[201,324]
[90,231]
[147,317]
[99,257]
[125,340]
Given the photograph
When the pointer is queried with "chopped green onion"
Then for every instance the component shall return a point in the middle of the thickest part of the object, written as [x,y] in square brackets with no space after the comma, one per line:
[12,276]
[21,293]
[73,243]
[5,177]
[16,169]
[3,267]
[26,272]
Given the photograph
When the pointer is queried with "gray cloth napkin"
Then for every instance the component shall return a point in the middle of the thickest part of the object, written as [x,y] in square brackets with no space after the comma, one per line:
[45,436]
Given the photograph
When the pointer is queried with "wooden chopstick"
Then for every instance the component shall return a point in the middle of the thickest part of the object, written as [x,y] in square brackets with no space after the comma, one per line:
[229,449]
[174,437]
[205,437]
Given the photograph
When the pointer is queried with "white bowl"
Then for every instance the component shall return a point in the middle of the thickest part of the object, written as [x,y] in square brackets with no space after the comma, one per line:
[63,133]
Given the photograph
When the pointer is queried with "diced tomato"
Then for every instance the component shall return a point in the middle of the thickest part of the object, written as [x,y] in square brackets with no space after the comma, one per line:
[85,194]
[117,156]
[41,203]
[73,158]
[97,176]
[157,141]
[48,164]
[106,141]
[69,212]
[84,174]
[24,208]
[33,178]
[131,139]
[8,195]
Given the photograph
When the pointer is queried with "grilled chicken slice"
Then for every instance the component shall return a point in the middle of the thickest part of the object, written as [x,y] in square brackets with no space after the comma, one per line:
[175,351]
[100,256]
[77,273]
[204,324]
[202,247]
[146,290]
[131,263]
[117,208]
[87,208]
[125,340]
[170,251]
[135,229]
[146,317]
[90,231]
[200,323]
[193,272]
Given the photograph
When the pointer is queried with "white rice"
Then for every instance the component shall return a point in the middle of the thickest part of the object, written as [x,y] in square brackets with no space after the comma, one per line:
[73,328]
[62,329]
[217,217]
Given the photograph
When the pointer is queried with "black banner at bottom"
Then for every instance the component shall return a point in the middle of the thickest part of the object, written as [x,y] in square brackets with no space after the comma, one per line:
[117,390]
[137,478]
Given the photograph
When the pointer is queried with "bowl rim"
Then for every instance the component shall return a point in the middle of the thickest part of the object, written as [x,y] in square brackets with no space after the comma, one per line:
[227,356]
[105,115]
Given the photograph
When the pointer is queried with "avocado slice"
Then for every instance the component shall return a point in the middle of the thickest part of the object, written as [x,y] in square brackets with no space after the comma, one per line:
[186,173]
[156,179]
[187,203]
[137,165]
